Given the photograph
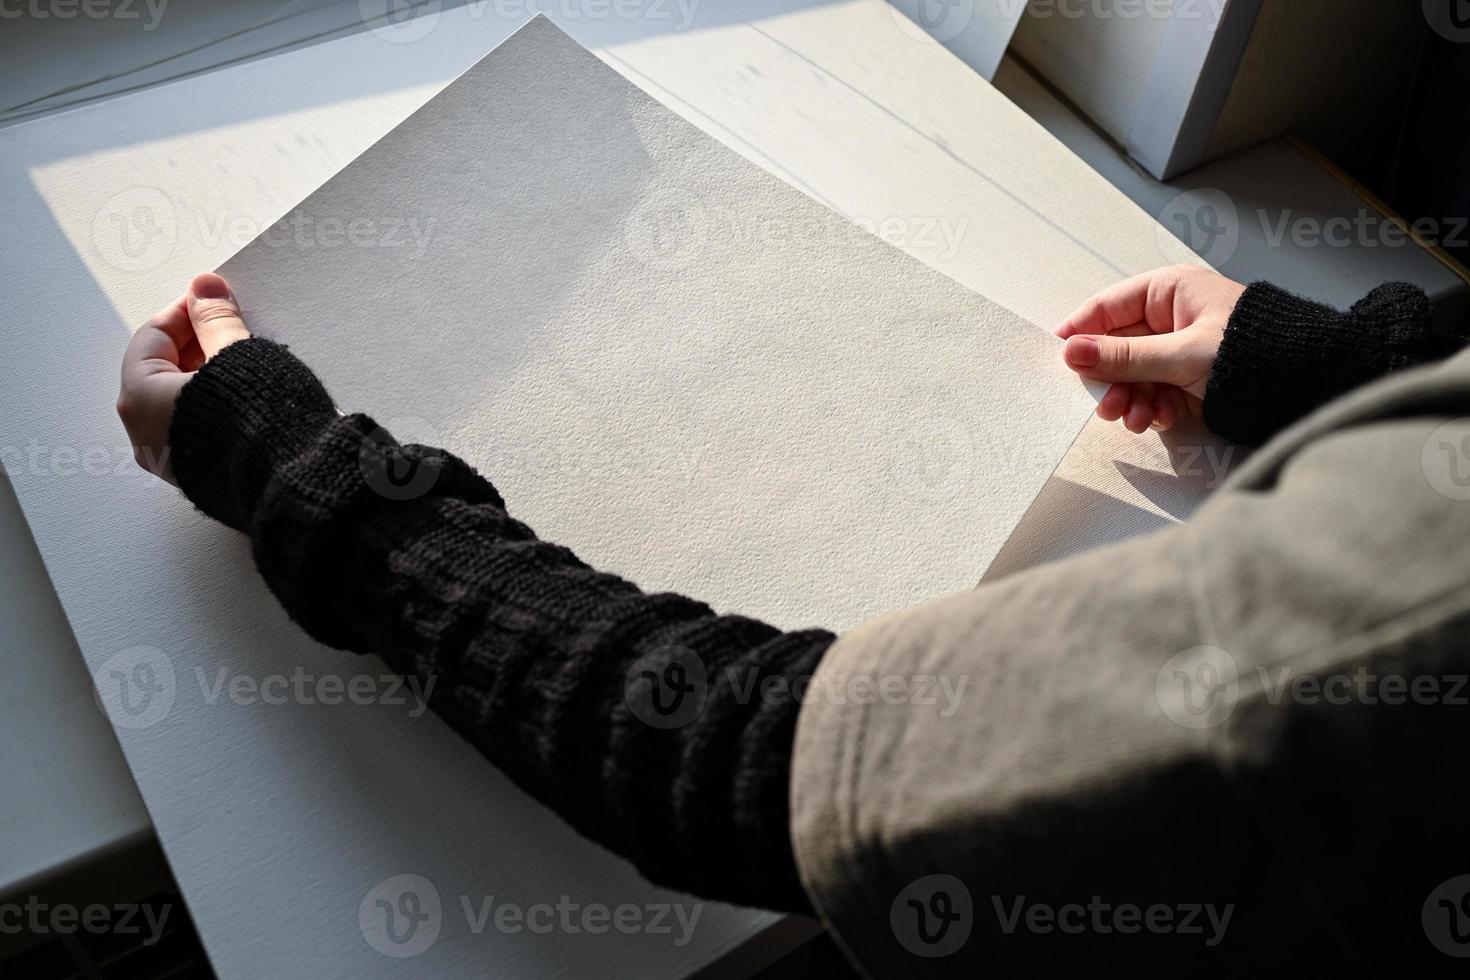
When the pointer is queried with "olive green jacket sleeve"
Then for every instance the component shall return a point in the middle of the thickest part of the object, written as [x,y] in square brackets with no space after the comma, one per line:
[1233,747]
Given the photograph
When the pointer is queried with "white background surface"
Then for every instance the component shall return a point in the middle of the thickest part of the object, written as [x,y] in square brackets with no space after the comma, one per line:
[833,103]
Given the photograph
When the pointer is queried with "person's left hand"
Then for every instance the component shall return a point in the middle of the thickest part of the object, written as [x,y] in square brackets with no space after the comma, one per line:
[163,356]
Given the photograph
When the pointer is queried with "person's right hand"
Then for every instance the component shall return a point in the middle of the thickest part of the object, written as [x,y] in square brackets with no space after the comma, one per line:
[1154,337]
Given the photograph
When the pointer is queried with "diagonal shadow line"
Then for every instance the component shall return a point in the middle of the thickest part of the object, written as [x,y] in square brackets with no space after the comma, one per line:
[649,86]
[944,149]
[174,56]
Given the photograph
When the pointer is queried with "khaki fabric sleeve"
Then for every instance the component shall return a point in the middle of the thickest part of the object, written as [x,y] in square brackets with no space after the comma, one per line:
[1237,744]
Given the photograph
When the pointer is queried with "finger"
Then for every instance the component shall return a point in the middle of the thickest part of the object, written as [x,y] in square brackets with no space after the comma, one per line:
[1118,306]
[214,314]
[191,358]
[1114,403]
[1122,305]
[1166,410]
[1185,405]
[1140,409]
[1166,357]
[1169,408]
[155,346]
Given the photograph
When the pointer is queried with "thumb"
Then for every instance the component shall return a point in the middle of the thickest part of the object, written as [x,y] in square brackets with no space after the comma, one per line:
[214,314]
[1168,358]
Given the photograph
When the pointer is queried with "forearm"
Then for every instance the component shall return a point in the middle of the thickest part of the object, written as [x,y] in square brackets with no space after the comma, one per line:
[1283,356]
[551,668]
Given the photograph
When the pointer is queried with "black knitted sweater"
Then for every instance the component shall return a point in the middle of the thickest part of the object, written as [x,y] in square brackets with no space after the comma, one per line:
[1283,356]
[629,714]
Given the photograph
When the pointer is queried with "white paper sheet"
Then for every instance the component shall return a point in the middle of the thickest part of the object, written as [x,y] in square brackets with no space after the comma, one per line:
[284,820]
[663,356]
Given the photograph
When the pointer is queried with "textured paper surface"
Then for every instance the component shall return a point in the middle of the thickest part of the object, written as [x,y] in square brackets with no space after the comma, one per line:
[279,819]
[664,357]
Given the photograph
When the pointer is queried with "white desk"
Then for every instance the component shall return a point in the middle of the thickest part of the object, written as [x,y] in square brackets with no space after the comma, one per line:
[68,798]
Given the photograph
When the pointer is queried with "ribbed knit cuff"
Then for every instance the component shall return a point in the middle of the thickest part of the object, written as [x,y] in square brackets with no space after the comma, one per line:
[1283,356]
[252,406]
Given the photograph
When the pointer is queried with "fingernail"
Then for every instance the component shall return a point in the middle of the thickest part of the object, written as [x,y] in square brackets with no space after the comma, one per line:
[207,285]
[1083,352]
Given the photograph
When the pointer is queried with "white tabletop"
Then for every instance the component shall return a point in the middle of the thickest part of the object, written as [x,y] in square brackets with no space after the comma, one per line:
[67,796]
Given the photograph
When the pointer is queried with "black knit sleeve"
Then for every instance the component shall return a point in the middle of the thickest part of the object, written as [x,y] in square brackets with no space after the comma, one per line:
[1283,356]
[646,721]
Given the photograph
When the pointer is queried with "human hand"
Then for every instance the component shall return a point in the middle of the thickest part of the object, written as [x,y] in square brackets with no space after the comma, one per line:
[1154,337]
[164,354]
